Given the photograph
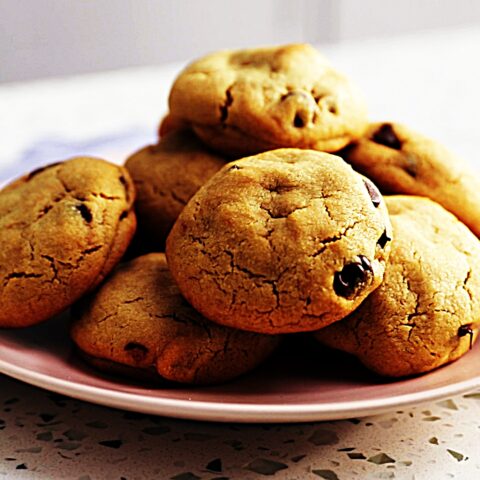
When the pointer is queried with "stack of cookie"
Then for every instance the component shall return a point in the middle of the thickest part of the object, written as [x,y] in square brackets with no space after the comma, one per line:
[262,193]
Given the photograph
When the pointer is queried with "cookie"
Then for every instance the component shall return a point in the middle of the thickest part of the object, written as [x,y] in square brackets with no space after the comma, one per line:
[170,123]
[62,229]
[402,161]
[138,320]
[285,241]
[249,101]
[166,176]
[426,312]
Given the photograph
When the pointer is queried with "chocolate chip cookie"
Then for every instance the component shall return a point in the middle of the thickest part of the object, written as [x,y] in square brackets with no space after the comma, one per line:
[400,160]
[248,101]
[426,312]
[138,319]
[62,229]
[166,176]
[170,123]
[286,241]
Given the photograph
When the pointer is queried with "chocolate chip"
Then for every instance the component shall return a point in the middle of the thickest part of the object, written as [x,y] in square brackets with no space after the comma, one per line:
[330,104]
[298,121]
[215,466]
[353,277]
[385,135]
[373,192]
[84,212]
[111,443]
[384,239]
[332,109]
[411,166]
[466,330]
[136,350]
[133,345]
[234,167]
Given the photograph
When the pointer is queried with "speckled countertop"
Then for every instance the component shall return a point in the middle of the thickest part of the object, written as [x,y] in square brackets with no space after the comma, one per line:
[46,435]
[428,81]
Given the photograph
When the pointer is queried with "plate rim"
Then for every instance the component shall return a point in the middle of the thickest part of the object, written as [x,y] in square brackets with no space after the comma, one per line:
[217,411]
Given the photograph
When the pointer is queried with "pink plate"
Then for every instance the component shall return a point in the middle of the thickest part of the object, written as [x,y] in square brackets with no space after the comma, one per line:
[300,383]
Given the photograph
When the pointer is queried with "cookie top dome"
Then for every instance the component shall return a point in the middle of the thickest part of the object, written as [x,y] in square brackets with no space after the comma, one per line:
[62,229]
[248,101]
[288,240]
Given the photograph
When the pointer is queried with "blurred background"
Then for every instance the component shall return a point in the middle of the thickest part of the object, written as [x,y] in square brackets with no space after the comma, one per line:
[93,76]
[42,38]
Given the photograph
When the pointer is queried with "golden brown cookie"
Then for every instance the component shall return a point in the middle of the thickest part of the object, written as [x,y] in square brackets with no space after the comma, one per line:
[166,176]
[139,319]
[426,312]
[400,160]
[62,229]
[285,241]
[170,123]
[248,101]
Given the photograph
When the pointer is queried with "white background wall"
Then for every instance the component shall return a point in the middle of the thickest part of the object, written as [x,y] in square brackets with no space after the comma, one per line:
[40,38]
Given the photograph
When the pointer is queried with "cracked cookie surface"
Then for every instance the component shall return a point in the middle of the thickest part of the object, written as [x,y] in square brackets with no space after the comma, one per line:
[63,227]
[139,319]
[402,161]
[166,176]
[286,241]
[426,311]
[248,101]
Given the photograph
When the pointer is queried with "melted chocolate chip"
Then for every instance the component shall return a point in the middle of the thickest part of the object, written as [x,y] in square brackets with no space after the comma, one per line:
[298,121]
[353,277]
[385,135]
[373,192]
[84,212]
[332,109]
[133,345]
[136,350]
[411,166]
[215,466]
[384,239]
[466,330]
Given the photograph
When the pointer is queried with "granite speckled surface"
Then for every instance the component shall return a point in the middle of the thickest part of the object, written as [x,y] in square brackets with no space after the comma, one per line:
[46,435]
[426,80]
